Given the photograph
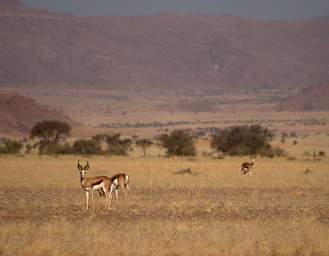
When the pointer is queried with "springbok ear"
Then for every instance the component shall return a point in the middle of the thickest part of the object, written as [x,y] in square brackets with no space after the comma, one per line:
[87,166]
[79,166]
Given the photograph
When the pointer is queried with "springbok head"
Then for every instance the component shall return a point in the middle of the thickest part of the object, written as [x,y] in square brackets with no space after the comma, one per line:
[83,169]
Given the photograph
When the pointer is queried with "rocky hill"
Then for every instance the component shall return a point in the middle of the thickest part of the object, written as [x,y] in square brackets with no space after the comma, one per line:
[18,114]
[168,51]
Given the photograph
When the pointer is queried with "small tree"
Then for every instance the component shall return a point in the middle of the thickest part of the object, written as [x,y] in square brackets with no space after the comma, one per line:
[242,140]
[178,143]
[144,144]
[50,134]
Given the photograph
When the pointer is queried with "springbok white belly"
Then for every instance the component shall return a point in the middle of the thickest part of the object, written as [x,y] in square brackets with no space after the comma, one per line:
[99,186]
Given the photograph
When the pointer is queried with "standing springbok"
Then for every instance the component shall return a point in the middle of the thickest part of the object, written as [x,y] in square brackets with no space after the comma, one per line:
[90,184]
[119,181]
[247,167]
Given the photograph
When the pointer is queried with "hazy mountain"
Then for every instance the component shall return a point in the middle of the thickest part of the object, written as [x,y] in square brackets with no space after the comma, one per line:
[40,48]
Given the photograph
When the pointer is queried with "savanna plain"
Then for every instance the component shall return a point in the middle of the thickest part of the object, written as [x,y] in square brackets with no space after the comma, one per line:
[282,209]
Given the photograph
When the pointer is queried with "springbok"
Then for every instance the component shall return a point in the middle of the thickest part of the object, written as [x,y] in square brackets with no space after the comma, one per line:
[247,167]
[119,181]
[91,184]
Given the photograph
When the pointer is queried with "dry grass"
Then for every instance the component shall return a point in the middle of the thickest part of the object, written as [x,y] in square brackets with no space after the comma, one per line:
[90,236]
[280,210]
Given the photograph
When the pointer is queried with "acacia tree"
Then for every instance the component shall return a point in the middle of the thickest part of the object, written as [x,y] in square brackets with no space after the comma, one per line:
[50,134]
[144,144]
[243,140]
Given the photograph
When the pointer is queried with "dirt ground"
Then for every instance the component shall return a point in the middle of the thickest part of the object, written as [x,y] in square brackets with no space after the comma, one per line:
[224,204]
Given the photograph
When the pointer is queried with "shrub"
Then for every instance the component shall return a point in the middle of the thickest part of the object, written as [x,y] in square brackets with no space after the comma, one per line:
[178,143]
[86,147]
[242,140]
[118,146]
[28,148]
[64,149]
[10,146]
[272,152]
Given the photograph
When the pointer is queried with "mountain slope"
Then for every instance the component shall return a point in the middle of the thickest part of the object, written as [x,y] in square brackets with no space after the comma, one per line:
[169,51]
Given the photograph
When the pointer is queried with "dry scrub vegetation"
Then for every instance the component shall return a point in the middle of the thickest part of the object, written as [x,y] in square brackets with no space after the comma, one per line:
[280,210]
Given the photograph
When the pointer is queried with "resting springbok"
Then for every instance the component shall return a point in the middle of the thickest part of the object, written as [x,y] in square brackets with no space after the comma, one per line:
[91,184]
[247,167]
[119,181]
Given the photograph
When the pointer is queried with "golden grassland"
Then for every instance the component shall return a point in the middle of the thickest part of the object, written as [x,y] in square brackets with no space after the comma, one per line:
[282,209]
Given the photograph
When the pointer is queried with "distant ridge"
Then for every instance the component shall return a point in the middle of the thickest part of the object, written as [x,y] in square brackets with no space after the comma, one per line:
[322,17]
[170,51]
[10,3]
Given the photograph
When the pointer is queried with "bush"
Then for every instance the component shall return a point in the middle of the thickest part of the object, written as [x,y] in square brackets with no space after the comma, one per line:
[118,146]
[10,146]
[242,140]
[272,152]
[64,149]
[178,143]
[28,148]
[86,147]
